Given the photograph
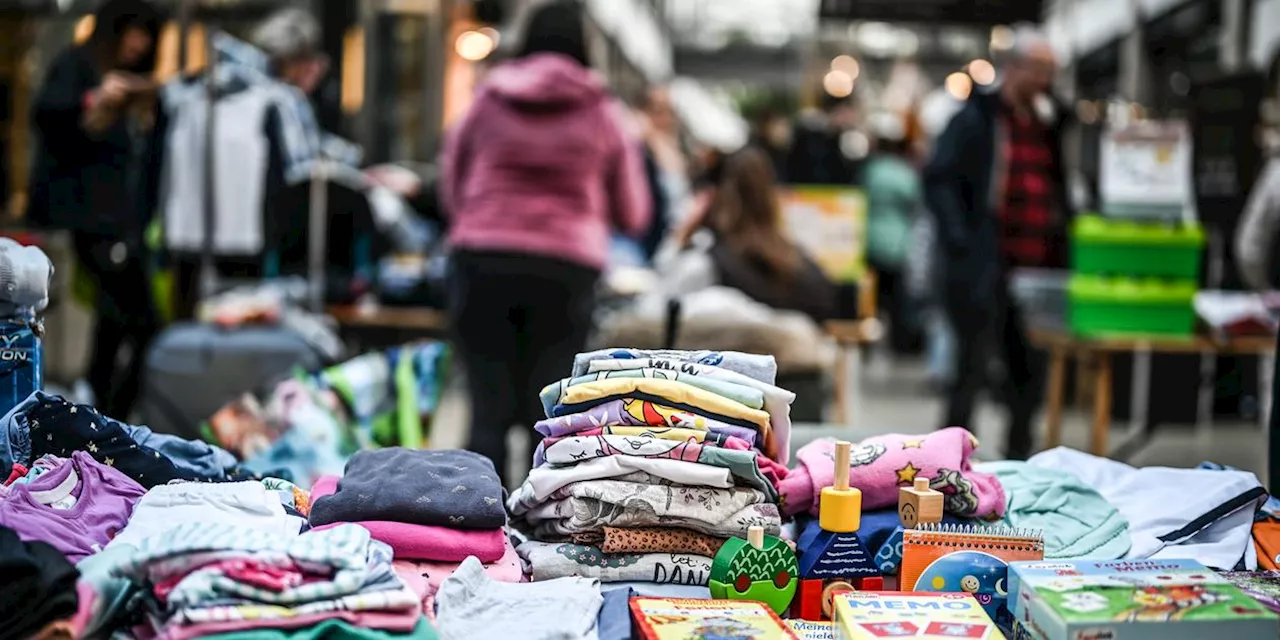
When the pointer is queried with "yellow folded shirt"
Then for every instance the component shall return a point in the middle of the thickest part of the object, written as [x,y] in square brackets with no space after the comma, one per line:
[673,393]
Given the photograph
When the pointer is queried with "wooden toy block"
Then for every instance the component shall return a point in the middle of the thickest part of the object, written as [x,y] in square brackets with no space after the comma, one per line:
[874,583]
[808,602]
[761,568]
[919,504]
[814,598]
[840,507]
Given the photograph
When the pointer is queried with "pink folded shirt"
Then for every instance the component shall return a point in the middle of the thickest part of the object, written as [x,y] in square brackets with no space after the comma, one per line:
[423,542]
[880,466]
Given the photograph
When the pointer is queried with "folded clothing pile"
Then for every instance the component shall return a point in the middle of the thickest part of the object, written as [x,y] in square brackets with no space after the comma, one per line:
[649,460]
[38,597]
[433,509]
[271,507]
[95,516]
[228,581]
[46,424]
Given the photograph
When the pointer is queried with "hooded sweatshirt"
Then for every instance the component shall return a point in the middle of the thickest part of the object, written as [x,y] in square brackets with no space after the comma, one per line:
[542,164]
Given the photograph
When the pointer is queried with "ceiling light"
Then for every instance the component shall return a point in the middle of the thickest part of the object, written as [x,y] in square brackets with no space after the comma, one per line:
[959,85]
[84,29]
[1001,38]
[838,83]
[475,45]
[847,65]
[982,72]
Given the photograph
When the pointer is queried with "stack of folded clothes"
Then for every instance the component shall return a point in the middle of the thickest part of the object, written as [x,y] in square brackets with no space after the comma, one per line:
[204,579]
[649,461]
[433,509]
[38,595]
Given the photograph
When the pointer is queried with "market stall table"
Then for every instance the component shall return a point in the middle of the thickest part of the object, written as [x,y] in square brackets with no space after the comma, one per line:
[851,337]
[376,326]
[1062,345]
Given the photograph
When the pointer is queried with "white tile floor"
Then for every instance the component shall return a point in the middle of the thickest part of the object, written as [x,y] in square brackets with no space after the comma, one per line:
[894,398]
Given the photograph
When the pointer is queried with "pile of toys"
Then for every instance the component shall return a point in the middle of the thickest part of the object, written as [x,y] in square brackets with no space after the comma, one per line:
[953,581]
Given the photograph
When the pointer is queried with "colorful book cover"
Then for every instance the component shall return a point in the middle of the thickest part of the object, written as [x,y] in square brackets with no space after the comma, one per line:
[864,615]
[680,619]
[1134,600]
[809,630]
[1263,586]
[967,559]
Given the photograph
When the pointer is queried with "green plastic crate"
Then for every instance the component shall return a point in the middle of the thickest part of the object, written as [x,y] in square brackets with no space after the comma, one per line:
[1134,249]
[1107,306]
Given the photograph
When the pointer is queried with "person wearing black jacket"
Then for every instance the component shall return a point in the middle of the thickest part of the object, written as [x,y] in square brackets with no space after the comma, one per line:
[816,156]
[96,174]
[996,185]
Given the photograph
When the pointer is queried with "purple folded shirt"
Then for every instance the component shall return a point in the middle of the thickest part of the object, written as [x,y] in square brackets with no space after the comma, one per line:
[104,500]
[632,413]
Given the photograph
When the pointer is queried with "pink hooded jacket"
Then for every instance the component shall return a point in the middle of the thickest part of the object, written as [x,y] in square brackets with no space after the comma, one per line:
[543,165]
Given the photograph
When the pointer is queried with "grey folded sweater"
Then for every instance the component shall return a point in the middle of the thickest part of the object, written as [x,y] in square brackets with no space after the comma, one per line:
[456,489]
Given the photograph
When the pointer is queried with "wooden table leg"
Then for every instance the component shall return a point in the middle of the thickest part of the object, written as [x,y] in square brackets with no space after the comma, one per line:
[1057,384]
[842,385]
[1098,444]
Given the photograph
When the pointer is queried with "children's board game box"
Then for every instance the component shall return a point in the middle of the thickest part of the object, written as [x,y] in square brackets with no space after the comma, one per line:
[1263,586]
[865,615]
[678,619]
[810,630]
[1133,600]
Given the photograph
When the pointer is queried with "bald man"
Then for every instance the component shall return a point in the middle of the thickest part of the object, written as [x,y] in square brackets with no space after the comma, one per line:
[996,186]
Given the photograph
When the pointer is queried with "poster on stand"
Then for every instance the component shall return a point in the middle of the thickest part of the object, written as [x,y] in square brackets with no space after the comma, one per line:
[1146,171]
[830,223]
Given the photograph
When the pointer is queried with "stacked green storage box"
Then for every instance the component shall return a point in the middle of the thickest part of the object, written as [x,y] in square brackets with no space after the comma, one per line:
[1132,277]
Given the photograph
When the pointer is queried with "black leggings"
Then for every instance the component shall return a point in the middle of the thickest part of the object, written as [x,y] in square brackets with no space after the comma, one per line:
[1023,366]
[127,313]
[517,323]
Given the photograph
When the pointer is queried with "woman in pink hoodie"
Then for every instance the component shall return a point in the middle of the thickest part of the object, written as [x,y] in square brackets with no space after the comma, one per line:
[534,178]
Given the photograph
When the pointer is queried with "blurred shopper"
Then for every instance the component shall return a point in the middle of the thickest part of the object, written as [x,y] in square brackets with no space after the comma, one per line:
[817,155]
[266,121]
[96,174]
[738,240]
[996,185]
[894,195]
[665,165]
[534,177]
[1258,258]
[771,131]
[927,269]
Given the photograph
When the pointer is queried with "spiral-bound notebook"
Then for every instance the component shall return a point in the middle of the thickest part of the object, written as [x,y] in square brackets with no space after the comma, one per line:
[972,559]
